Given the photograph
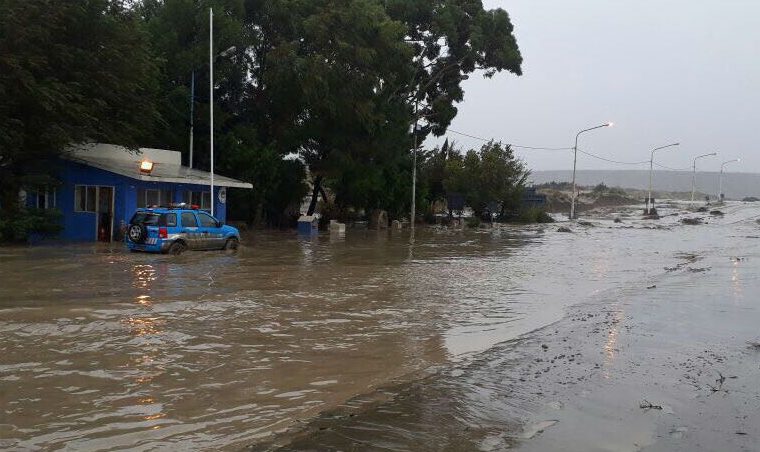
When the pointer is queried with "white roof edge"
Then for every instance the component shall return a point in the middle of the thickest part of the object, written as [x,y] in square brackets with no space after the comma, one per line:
[116,152]
[222,181]
[229,182]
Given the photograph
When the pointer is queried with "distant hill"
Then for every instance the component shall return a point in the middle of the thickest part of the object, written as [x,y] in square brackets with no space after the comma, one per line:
[735,185]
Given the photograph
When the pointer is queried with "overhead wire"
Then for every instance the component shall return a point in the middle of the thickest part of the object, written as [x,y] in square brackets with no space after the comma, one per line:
[536,148]
[543,148]
[610,160]
[671,169]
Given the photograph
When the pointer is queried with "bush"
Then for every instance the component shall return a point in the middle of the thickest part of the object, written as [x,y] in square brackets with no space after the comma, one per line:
[472,222]
[19,227]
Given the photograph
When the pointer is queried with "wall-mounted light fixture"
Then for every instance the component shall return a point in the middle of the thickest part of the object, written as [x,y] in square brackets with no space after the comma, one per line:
[146,166]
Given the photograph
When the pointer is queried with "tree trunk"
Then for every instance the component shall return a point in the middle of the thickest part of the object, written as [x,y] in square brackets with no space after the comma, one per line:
[9,200]
[315,195]
[259,215]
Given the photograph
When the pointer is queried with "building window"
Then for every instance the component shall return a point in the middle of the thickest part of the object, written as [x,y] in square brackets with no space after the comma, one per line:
[45,199]
[154,197]
[84,198]
[201,199]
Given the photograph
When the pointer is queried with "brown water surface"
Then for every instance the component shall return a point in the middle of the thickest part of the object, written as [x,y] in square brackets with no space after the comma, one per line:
[101,349]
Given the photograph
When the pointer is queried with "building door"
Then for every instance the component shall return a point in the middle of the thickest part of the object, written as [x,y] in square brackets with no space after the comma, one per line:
[104,214]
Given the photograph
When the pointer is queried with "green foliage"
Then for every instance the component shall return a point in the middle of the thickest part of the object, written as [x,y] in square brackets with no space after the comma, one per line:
[489,176]
[278,186]
[70,71]
[554,185]
[451,39]
[19,226]
[336,83]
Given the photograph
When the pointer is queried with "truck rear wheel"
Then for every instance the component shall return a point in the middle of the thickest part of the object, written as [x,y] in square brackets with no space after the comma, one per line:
[177,248]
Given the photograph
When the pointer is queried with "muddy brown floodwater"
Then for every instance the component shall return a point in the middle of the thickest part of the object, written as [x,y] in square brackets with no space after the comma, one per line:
[471,340]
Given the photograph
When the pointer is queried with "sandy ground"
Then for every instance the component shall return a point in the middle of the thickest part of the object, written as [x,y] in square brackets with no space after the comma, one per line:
[668,361]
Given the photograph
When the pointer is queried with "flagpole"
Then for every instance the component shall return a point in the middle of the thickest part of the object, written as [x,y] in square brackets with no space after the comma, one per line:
[211,97]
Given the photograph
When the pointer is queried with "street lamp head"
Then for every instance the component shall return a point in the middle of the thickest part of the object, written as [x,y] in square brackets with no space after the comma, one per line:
[610,124]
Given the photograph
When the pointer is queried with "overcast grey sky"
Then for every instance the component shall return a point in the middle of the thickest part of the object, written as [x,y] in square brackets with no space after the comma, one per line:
[661,70]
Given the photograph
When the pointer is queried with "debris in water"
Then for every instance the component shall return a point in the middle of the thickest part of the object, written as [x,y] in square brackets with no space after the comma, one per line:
[716,213]
[564,229]
[647,405]
[720,380]
[618,220]
[754,345]
[691,221]
[698,270]
[653,286]
[534,429]
[702,209]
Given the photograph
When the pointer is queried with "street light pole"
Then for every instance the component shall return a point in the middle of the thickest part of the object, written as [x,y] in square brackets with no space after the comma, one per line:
[720,178]
[651,167]
[694,172]
[575,161]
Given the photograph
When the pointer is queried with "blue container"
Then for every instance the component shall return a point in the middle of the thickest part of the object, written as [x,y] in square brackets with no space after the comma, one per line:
[308,224]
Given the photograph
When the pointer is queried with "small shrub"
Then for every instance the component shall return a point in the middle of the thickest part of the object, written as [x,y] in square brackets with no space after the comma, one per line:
[20,226]
[472,222]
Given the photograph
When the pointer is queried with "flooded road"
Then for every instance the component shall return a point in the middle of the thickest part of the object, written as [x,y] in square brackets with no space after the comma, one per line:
[403,348]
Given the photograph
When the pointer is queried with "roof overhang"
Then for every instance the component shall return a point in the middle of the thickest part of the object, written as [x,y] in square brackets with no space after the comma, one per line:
[166,167]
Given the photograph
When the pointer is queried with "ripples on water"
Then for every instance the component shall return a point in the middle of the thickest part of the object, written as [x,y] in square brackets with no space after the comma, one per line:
[103,349]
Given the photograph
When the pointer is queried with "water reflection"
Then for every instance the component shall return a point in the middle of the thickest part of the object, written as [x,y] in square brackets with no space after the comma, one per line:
[611,345]
[144,274]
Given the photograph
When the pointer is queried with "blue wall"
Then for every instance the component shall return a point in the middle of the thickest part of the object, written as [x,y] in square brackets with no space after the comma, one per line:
[81,226]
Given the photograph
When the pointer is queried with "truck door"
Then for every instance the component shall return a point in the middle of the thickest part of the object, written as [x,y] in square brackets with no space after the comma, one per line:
[211,231]
[191,231]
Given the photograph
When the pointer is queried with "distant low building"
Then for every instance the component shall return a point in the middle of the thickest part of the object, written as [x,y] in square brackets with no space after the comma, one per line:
[103,184]
[531,198]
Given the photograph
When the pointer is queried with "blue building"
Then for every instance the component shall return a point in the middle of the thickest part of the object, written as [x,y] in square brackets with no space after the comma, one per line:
[103,184]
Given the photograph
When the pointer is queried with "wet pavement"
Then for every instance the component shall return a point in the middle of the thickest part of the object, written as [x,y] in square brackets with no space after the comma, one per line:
[471,340]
